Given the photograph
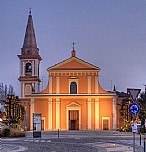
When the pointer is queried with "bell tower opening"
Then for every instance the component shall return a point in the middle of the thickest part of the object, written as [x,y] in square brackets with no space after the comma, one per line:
[28,69]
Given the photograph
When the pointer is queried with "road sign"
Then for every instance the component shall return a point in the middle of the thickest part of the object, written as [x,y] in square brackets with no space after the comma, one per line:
[134,108]
[134,128]
[133,93]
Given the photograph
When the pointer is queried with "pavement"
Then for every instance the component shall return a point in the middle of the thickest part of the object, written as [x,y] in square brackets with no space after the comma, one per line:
[74,141]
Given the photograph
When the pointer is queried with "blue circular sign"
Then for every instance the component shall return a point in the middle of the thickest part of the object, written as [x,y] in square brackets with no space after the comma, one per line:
[134,108]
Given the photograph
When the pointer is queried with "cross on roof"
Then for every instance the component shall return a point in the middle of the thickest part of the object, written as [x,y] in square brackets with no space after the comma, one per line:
[30,11]
[73,45]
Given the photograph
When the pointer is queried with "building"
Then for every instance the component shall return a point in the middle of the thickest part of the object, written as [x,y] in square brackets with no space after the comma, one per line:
[73,99]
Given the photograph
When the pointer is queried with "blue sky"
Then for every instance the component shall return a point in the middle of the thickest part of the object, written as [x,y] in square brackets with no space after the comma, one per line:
[110,34]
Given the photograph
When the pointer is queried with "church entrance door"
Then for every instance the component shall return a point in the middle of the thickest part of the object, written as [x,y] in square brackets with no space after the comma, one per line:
[105,124]
[73,119]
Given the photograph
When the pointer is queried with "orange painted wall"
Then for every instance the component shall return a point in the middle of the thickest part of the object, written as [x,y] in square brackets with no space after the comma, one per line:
[82,86]
[41,106]
[106,110]
[64,84]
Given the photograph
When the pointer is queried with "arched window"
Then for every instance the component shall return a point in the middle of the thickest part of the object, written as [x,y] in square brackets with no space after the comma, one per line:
[28,69]
[73,88]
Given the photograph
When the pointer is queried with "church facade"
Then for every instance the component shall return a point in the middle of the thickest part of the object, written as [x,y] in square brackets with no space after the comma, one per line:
[73,98]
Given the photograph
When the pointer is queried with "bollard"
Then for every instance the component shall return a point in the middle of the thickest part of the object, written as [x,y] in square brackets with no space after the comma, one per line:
[58,133]
[140,138]
[144,143]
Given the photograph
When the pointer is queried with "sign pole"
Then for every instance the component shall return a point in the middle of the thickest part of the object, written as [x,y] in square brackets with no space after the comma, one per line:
[133,141]
[134,109]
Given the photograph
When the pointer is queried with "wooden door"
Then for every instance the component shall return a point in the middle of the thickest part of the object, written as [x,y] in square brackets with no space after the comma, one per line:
[42,125]
[73,119]
[105,124]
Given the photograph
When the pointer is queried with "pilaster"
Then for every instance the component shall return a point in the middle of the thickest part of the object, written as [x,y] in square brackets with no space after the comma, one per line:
[57,85]
[31,114]
[57,113]
[89,113]
[96,85]
[50,85]
[96,113]
[114,114]
[89,84]
[50,114]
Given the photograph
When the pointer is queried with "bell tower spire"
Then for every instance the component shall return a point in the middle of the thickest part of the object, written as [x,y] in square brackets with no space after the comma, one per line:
[29,40]
[29,61]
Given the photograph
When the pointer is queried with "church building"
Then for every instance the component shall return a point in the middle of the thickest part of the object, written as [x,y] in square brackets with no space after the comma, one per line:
[73,98]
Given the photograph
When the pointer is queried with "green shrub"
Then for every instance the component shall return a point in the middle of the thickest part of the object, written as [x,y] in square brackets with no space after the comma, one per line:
[6,132]
[17,134]
[10,132]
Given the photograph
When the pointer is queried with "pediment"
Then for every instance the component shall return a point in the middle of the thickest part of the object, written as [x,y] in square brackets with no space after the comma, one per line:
[74,63]
[73,104]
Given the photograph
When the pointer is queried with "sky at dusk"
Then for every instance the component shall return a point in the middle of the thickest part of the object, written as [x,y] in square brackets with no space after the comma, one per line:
[110,34]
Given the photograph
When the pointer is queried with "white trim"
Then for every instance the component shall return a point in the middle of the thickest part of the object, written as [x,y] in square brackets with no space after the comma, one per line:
[78,95]
[67,116]
[106,118]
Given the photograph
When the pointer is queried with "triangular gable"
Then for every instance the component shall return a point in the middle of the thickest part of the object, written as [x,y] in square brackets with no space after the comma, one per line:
[73,104]
[74,63]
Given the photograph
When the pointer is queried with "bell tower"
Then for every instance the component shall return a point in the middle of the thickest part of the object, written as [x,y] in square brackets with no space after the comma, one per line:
[29,62]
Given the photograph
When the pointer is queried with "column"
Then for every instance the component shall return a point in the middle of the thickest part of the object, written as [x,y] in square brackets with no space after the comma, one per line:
[23,68]
[31,113]
[23,90]
[89,84]
[89,113]
[57,113]
[96,84]
[33,68]
[114,114]
[20,68]
[50,85]
[50,111]
[96,113]
[35,86]
[57,85]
